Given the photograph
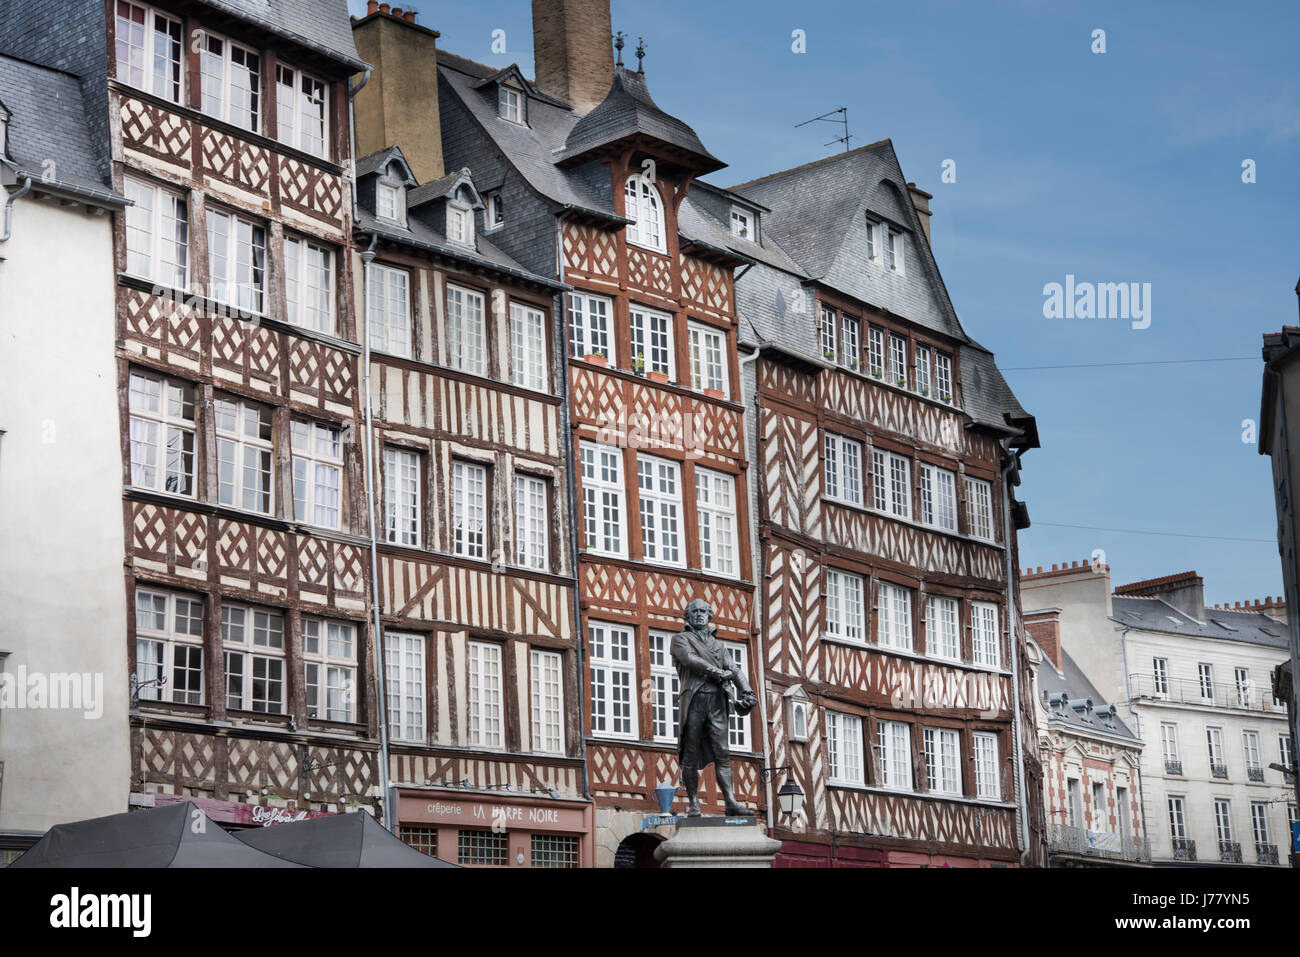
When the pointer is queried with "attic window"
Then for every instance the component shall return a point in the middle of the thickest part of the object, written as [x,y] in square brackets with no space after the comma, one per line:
[645,208]
[744,223]
[496,213]
[894,249]
[4,132]
[1224,625]
[510,104]
[390,203]
[460,223]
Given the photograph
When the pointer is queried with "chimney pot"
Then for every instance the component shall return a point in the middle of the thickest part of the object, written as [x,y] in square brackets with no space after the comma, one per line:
[410,16]
[372,7]
[384,8]
[397,12]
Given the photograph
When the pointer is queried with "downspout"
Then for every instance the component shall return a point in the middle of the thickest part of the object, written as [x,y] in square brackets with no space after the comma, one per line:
[1018,767]
[9,207]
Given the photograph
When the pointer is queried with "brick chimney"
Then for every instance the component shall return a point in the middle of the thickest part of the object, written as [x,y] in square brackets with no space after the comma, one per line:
[1184,591]
[572,50]
[1044,626]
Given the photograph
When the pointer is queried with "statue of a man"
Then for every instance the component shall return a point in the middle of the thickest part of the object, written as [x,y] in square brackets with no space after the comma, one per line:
[710,686]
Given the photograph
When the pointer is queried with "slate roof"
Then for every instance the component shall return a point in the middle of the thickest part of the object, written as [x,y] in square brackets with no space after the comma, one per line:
[372,162]
[49,139]
[1155,614]
[1072,681]
[443,186]
[694,221]
[321,25]
[986,396]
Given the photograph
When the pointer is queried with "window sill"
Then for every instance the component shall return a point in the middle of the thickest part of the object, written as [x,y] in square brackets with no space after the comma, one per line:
[914,656]
[677,387]
[989,543]
[649,249]
[925,795]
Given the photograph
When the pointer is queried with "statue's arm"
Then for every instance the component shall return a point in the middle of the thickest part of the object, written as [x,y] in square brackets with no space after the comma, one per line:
[683,654]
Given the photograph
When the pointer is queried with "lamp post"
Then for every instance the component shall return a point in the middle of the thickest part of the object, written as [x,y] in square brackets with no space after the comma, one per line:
[789,797]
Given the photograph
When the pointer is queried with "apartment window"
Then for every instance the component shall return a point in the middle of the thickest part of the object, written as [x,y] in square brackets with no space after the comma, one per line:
[894,745]
[898,360]
[1250,748]
[483,698]
[329,653]
[845,618]
[162,434]
[1223,820]
[665,705]
[738,725]
[646,211]
[943,376]
[404,678]
[1099,822]
[652,340]
[849,340]
[554,850]
[465,339]
[602,498]
[157,233]
[527,347]
[402,496]
[1177,819]
[510,104]
[891,483]
[496,210]
[244,455]
[309,284]
[149,50]
[923,369]
[843,468]
[984,634]
[979,509]
[169,646]
[987,784]
[1259,822]
[938,497]
[942,775]
[547,694]
[1169,743]
[531,535]
[469,509]
[1206,674]
[875,351]
[715,514]
[744,224]
[828,332]
[482,847]
[388,304]
[844,748]
[390,203]
[893,249]
[237,261]
[613,675]
[232,81]
[1218,765]
[589,326]
[893,617]
[941,637]
[1160,676]
[1242,677]
[460,224]
[659,481]
[708,358]
[253,642]
[1286,750]
[302,110]
[1074,804]
[317,473]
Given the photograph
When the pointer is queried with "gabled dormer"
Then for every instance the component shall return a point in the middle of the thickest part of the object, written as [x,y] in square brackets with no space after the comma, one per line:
[383,179]
[510,90]
[450,205]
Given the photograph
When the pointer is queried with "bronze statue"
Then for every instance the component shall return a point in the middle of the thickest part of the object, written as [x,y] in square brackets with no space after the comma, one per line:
[710,688]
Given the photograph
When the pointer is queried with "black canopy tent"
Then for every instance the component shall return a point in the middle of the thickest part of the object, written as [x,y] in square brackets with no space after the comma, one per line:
[176,835]
[339,840]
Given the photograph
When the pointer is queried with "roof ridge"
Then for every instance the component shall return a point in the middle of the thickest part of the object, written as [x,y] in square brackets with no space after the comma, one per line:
[809,165]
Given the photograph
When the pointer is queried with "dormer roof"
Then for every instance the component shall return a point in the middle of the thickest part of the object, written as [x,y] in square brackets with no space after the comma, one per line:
[446,187]
[382,161]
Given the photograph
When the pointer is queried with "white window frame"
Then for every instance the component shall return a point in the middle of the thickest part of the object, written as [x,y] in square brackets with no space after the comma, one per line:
[402,505]
[157,211]
[149,78]
[842,468]
[1285,751]
[484,725]
[738,724]
[942,746]
[1214,746]
[708,353]
[546,699]
[830,333]
[589,322]
[1251,751]
[922,365]
[873,241]
[405,680]
[942,628]
[988,782]
[242,455]
[979,509]
[494,215]
[894,752]
[510,104]
[875,352]
[1259,822]
[388,309]
[302,110]
[241,252]
[894,617]
[846,617]
[897,360]
[466,330]
[943,386]
[844,758]
[665,688]
[160,428]
[1205,674]
[894,250]
[1160,677]
[255,636]
[1177,818]
[1169,741]
[172,648]
[938,488]
[652,340]
[460,223]
[604,499]
[612,671]
[659,485]
[1223,820]
[329,652]
[716,521]
[532,534]
[317,454]
[469,509]
[891,483]
[985,642]
[1241,680]
[390,202]
[744,224]
[309,284]
[645,209]
[220,102]
[528,347]
[850,326]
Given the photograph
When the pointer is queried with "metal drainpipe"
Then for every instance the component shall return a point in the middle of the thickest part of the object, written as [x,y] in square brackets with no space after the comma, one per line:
[1017,768]
[9,207]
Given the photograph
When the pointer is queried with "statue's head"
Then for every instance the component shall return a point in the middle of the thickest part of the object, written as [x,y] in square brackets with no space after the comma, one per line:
[698,614]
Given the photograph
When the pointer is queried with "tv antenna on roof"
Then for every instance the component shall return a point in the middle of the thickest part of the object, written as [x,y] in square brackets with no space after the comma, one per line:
[826,118]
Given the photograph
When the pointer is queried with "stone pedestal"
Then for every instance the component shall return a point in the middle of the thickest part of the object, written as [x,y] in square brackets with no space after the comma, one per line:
[718,842]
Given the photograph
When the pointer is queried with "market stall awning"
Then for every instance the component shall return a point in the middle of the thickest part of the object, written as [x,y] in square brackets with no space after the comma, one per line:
[340,840]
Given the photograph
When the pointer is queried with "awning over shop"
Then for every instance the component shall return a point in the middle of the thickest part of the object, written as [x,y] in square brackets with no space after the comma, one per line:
[340,840]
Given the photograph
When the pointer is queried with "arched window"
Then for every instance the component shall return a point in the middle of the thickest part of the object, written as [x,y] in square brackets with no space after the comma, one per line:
[646,211]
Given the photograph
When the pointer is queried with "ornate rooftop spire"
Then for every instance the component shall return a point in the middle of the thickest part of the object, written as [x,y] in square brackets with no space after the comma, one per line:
[618,45]
[640,54]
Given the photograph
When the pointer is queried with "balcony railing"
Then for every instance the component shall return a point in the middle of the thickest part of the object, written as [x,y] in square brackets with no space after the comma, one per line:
[1266,853]
[1218,770]
[1191,691]
[1229,852]
[1103,845]
[1255,774]
[1173,767]
[1184,849]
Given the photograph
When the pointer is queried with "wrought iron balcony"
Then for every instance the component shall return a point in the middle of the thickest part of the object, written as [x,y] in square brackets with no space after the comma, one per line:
[1184,849]
[1255,774]
[1220,695]
[1218,770]
[1266,853]
[1063,839]
[1173,767]
[1229,852]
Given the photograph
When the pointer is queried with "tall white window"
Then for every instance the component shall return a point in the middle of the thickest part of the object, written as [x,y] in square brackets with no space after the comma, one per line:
[849,344]
[652,340]
[1250,748]
[923,369]
[469,509]
[893,249]
[465,339]
[390,202]
[876,351]
[329,654]
[1169,742]
[613,676]
[169,646]
[1242,678]
[527,347]
[873,241]
[844,748]
[943,376]
[546,689]
[510,104]
[1223,820]
[987,780]
[1259,822]
[157,233]
[404,678]
[302,110]
[891,483]
[1177,819]
[602,498]
[317,473]
[738,734]
[938,489]
[708,348]
[1205,672]
[941,637]
[232,82]
[149,51]
[309,284]
[1160,677]
[942,773]
[845,617]
[589,326]
[665,687]
[1214,741]
[715,513]
[897,360]
[659,481]
[402,496]
[829,325]
[460,223]
[1286,751]
[531,536]
[979,508]
[645,209]
[388,307]
[244,455]
[843,468]
[894,749]
[984,634]
[237,261]
[253,642]
[483,694]
[162,434]
[893,616]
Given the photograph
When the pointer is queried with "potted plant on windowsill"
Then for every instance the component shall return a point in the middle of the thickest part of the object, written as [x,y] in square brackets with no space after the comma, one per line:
[853,363]
[638,364]
[945,396]
[877,371]
[830,355]
[901,381]
[596,358]
[924,390]
[658,376]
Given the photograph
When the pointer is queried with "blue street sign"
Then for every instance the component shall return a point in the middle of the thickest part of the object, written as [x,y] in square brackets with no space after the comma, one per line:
[1295,837]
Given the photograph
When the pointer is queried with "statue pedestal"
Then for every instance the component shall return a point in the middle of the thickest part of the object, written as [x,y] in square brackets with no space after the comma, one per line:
[718,842]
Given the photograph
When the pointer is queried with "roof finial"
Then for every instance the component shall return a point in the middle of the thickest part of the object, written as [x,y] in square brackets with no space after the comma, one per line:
[618,45]
[640,54]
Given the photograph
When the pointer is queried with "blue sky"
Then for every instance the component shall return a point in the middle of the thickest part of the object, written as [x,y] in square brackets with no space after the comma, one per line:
[1123,166]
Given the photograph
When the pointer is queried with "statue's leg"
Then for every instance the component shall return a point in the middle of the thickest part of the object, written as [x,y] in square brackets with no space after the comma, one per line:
[691,781]
[722,769]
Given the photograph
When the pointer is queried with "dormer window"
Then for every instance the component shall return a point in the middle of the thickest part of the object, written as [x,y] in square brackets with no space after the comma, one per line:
[510,104]
[496,213]
[744,223]
[390,203]
[873,243]
[646,210]
[460,224]
[894,249]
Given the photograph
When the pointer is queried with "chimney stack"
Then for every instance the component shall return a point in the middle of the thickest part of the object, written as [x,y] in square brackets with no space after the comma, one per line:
[1044,626]
[921,200]
[1184,591]
[572,51]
